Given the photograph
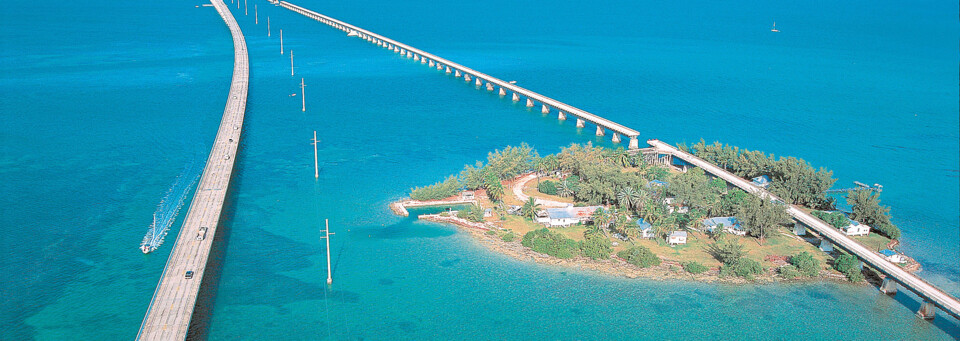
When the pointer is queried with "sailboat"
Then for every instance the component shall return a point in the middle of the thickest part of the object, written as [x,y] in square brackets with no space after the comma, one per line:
[774,29]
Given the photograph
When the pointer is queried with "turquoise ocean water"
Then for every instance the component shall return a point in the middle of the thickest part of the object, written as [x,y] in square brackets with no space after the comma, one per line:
[104,103]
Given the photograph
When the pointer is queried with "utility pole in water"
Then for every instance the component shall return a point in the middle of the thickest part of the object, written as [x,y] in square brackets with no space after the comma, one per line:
[256,18]
[281,41]
[316,168]
[303,99]
[291,62]
[268,26]
[326,235]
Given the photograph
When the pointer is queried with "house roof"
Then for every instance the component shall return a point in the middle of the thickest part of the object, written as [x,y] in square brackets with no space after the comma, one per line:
[643,225]
[571,212]
[887,252]
[761,180]
[731,222]
[657,183]
[678,234]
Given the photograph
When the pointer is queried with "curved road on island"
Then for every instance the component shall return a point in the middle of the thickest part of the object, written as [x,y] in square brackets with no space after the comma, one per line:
[171,308]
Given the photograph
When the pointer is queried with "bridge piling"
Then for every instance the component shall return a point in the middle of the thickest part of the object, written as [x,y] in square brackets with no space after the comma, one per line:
[448,70]
[927,310]
[502,93]
[889,286]
[600,131]
[544,109]
[581,123]
[489,86]
[529,103]
[515,98]
[634,143]
[561,115]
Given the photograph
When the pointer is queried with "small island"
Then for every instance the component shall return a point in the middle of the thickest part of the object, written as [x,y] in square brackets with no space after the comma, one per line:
[628,214]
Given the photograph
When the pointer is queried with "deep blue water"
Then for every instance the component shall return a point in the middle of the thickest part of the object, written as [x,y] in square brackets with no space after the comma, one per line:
[104,103]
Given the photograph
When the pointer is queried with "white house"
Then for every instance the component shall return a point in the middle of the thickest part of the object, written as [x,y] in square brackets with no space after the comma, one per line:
[672,208]
[855,228]
[728,224]
[892,256]
[678,237]
[566,216]
[646,230]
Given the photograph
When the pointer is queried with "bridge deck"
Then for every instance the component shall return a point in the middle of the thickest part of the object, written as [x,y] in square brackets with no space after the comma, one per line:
[171,307]
[922,288]
[600,121]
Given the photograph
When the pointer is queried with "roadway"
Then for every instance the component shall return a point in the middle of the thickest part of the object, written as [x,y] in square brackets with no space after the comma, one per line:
[171,308]
[925,290]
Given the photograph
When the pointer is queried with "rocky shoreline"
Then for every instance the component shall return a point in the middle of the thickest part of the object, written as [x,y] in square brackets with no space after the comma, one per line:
[667,270]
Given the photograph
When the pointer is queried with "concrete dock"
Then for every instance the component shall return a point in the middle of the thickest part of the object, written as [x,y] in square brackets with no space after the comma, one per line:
[171,308]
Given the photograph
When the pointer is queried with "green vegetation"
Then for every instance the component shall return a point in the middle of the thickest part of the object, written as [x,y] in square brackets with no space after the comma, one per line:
[549,243]
[491,233]
[791,178]
[806,264]
[509,237]
[867,210]
[529,208]
[788,271]
[437,191]
[548,187]
[760,217]
[849,265]
[472,213]
[695,268]
[743,267]
[836,219]
[726,251]
[640,256]
[595,246]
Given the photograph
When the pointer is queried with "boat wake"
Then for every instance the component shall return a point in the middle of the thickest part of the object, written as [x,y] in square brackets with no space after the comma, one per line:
[169,208]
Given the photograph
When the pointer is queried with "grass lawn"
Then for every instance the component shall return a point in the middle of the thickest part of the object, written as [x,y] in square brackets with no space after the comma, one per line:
[531,189]
[873,241]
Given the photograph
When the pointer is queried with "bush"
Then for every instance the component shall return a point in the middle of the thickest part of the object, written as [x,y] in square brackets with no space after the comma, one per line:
[695,268]
[727,252]
[547,187]
[806,264]
[471,213]
[743,267]
[595,246]
[639,256]
[491,233]
[509,237]
[849,265]
[437,191]
[836,219]
[789,271]
[549,243]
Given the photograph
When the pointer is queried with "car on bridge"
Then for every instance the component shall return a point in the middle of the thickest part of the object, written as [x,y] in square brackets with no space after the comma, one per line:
[188,275]
[202,233]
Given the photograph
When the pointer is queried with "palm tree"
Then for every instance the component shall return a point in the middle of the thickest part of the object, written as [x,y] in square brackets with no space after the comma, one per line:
[530,208]
[601,219]
[563,189]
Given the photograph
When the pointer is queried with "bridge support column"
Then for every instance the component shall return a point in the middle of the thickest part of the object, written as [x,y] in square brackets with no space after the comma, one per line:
[502,93]
[581,123]
[448,70]
[634,143]
[439,66]
[430,64]
[466,77]
[409,54]
[529,103]
[927,310]
[489,86]
[478,82]
[423,60]
[616,138]
[826,246]
[798,229]
[544,109]
[889,286]
[416,58]
[600,131]
[515,97]
[562,116]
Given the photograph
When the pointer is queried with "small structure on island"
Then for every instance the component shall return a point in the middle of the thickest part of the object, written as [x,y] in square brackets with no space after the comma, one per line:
[762,181]
[669,201]
[892,256]
[855,228]
[514,210]
[727,224]
[645,229]
[657,183]
[677,238]
[487,213]
[566,216]
[467,195]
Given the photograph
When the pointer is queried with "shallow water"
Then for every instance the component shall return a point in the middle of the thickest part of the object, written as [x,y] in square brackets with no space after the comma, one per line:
[104,103]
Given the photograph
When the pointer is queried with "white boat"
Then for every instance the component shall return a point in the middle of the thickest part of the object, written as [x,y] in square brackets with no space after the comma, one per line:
[774,29]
